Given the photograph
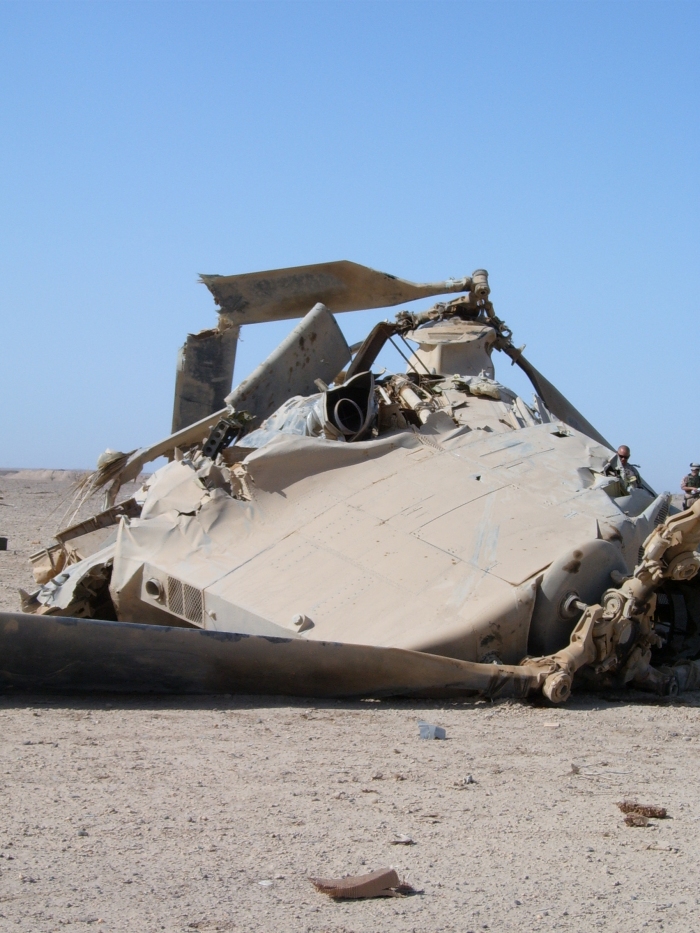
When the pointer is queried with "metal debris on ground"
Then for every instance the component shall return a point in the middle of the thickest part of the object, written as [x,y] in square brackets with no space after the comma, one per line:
[429,731]
[465,782]
[401,840]
[648,810]
[636,819]
[384,882]
[429,818]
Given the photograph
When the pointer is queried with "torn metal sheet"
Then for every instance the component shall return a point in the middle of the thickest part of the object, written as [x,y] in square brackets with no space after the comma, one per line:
[384,882]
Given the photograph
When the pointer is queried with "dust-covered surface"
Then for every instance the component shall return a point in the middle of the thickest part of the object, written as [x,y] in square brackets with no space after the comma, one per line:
[124,814]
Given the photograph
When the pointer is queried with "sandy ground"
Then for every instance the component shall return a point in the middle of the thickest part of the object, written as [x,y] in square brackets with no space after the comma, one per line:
[208,814]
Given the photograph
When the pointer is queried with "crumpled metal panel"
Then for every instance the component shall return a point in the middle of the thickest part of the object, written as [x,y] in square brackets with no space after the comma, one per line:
[315,349]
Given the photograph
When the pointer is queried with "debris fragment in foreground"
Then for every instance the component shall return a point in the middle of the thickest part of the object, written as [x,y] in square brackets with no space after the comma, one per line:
[401,840]
[429,731]
[464,782]
[648,810]
[381,883]
[636,819]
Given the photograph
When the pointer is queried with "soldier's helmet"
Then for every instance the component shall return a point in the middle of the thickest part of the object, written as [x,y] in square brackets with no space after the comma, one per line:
[695,466]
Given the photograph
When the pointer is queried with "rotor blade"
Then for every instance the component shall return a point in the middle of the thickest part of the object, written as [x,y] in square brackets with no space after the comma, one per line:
[59,653]
[315,349]
[342,286]
[204,374]
[559,406]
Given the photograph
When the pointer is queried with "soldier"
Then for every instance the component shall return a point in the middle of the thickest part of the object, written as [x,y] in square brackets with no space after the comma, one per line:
[690,485]
[620,466]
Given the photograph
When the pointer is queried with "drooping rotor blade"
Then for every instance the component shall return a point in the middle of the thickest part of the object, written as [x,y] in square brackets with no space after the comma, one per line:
[342,286]
[204,373]
[559,406]
[59,653]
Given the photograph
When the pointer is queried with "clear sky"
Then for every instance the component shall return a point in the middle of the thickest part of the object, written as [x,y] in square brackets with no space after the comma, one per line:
[554,144]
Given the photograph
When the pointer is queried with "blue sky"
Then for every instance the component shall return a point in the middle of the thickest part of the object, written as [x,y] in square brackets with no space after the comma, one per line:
[555,144]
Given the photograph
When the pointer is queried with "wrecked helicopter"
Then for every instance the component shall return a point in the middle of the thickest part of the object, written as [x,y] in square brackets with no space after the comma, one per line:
[326,529]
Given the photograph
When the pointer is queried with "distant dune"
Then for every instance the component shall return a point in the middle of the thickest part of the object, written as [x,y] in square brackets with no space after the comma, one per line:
[43,476]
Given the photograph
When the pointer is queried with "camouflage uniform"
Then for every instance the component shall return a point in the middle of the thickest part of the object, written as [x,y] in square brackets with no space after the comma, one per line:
[628,475]
[692,479]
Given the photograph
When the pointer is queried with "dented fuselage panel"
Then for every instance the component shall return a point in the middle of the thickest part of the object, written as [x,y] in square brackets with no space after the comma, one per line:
[432,542]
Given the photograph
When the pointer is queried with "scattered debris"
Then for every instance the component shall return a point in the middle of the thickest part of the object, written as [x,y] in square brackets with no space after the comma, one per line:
[650,811]
[429,731]
[574,769]
[429,818]
[265,884]
[636,819]
[465,782]
[381,883]
[401,840]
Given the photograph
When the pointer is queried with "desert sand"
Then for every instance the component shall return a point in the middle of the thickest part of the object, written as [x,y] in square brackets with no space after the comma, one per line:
[144,814]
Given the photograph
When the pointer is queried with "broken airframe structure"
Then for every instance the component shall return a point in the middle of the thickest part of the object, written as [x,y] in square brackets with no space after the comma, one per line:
[329,530]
